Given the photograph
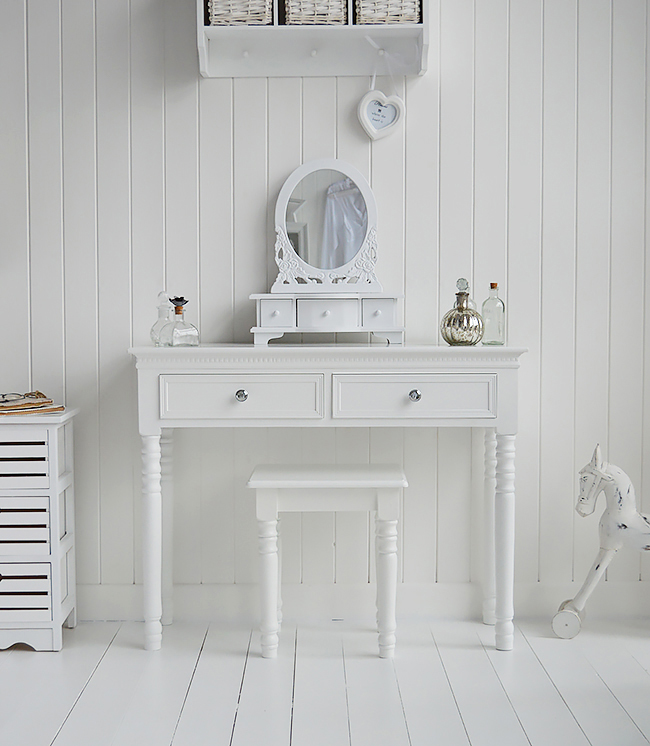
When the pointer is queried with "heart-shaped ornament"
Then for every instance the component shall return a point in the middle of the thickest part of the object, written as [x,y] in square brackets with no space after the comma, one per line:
[379,114]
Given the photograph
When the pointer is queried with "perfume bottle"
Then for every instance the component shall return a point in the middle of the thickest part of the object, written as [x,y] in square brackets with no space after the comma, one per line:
[494,317]
[164,315]
[178,332]
[462,325]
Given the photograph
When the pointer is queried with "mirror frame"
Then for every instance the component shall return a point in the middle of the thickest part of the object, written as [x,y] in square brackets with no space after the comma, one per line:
[295,275]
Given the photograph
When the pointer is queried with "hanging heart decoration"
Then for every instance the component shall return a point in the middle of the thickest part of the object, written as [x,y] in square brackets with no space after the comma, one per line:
[379,114]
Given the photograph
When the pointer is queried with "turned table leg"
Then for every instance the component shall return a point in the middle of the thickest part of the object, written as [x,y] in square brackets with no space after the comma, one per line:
[489,600]
[504,520]
[167,485]
[151,541]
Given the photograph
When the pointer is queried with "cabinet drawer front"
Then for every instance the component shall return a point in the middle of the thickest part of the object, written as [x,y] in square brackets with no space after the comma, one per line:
[25,592]
[24,459]
[439,395]
[332,313]
[264,396]
[277,313]
[378,313]
[24,525]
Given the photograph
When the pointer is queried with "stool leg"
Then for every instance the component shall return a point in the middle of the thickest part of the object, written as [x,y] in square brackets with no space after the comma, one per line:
[386,547]
[268,548]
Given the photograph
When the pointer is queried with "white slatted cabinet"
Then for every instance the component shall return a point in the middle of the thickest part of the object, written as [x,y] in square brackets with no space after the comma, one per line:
[37,559]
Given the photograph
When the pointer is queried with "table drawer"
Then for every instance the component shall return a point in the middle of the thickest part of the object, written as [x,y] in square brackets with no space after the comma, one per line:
[24,461]
[25,592]
[329,313]
[378,313]
[24,525]
[233,397]
[278,312]
[425,396]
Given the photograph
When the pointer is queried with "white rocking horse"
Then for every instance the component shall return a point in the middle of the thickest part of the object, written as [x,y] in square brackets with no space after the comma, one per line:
[621,524]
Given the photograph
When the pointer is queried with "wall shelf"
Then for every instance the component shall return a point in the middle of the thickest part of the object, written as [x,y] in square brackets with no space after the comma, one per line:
[312,51]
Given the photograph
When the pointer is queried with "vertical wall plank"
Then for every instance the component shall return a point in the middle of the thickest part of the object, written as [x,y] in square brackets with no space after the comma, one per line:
[147,163]
[45,196]
[593,256]
[524,263]
[353,530]
[81,291]
[116,379]
[490,147]
[250,189]
[216,210]
[629,90]
[181,155]
[421,304]
[558,290]
[15,363]
[643,495]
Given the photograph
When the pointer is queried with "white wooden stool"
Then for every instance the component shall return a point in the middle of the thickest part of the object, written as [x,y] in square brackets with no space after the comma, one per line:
[328,487]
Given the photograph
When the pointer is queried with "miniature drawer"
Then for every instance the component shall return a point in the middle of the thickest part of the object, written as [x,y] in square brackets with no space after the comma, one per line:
[24,525]
[25,592]
[278,312]
[336,314]
[233,397]
[24,462]
[378,313]
[426,396]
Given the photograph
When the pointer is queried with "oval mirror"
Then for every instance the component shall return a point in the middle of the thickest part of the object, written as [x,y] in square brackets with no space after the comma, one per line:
[326,231]
[326,219]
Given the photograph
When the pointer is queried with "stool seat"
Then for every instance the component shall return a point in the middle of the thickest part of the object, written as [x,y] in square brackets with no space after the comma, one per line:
[328,487]
[322,476]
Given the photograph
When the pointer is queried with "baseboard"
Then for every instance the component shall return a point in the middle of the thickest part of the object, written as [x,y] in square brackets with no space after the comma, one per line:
[239,603]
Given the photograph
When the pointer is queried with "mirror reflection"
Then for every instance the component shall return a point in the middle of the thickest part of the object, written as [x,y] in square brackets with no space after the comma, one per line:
[326,219]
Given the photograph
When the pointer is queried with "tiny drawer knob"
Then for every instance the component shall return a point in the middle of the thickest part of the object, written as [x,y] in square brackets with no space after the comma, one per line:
[326,313]
[241,395]
[377,312]
[275,313]
[415,395]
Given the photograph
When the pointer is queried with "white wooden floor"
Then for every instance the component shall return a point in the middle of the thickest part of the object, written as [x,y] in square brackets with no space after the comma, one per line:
[446,686]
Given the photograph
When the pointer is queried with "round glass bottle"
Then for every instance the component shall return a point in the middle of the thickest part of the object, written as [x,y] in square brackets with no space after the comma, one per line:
[462,325]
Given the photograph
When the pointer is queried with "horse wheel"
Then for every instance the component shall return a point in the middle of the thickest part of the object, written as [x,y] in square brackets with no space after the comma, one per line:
[566,623]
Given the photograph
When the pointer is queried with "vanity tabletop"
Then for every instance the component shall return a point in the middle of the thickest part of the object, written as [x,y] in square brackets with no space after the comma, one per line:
[234,353]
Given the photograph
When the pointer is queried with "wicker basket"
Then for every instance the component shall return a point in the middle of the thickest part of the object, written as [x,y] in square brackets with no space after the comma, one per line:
[312,12]
[240,12]
[387,11]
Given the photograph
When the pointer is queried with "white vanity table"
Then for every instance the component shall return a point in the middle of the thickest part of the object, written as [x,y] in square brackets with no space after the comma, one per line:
[329,386]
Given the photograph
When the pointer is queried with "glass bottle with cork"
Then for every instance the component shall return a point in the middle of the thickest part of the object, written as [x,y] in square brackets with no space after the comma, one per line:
[494,317]
[178,332]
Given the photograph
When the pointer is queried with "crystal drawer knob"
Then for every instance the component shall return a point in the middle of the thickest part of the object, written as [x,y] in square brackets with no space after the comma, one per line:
[326,313]
[275,313]
[415,395]
[241,395]
[377,312]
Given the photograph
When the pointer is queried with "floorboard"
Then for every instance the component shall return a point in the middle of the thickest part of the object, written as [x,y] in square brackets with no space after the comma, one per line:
[264,712]
[320,709]
[376,714]
[488,714]
[209,712]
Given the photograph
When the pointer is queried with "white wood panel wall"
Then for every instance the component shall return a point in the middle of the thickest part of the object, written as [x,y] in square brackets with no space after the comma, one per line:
[523,160]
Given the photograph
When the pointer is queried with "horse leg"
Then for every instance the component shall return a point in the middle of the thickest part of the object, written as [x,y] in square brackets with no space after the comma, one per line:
[568,620]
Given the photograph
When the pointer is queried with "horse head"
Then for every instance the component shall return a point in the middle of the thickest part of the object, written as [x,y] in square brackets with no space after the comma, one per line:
[592,480]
